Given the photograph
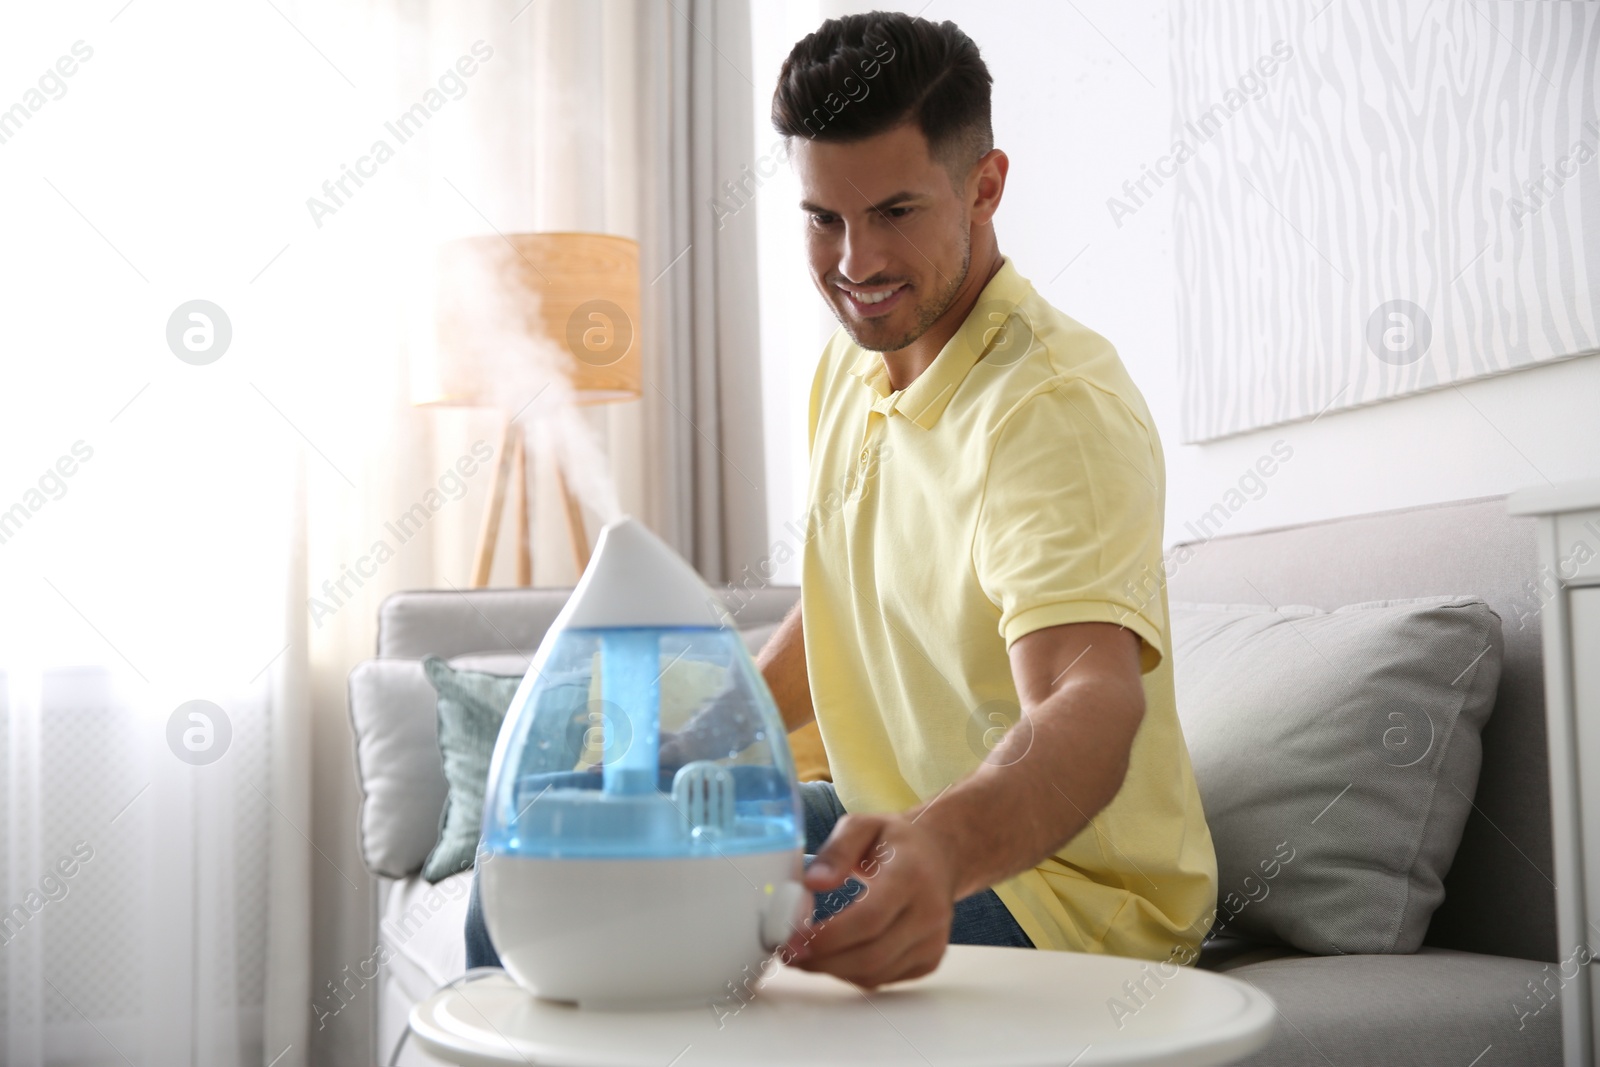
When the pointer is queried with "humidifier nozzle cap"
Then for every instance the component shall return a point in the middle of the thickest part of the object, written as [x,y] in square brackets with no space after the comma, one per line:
[635,579]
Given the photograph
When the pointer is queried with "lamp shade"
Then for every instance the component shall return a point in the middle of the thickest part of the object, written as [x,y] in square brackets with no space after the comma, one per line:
[580,291]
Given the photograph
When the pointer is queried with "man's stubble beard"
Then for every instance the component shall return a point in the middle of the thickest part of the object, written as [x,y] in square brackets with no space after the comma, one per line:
[928,312]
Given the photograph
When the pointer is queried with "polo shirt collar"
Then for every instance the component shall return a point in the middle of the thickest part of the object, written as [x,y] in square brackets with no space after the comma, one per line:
[925,399]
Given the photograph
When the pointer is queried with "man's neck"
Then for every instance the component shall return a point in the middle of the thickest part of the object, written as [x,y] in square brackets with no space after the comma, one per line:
[906,365]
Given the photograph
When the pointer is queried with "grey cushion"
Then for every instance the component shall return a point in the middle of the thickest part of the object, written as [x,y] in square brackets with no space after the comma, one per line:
[1438,1008]
[1466,546]
[1336,754]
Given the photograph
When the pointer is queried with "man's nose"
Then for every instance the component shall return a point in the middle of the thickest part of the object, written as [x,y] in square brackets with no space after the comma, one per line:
[863,256]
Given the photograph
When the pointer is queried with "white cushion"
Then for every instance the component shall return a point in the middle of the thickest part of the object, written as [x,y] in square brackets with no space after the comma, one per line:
[393,712]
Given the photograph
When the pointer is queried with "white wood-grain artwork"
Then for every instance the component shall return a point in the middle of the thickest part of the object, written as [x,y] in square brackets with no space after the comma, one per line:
[1377,198]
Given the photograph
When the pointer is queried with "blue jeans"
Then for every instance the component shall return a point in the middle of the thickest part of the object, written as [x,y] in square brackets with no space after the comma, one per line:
[980,919]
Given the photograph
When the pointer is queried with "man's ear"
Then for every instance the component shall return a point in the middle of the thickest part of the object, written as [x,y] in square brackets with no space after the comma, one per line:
[986,183]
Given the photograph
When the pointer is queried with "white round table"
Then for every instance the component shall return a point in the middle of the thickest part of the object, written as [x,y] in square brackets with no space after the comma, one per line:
[983,1007]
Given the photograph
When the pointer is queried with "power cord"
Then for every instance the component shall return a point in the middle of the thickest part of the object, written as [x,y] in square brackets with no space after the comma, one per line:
[476,972]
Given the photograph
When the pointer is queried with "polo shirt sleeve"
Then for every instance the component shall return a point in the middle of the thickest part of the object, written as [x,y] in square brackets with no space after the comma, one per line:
[1069,526]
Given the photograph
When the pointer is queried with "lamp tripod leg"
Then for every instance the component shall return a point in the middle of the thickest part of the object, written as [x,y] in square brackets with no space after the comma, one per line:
[575,531]
[489,529]
[519,500]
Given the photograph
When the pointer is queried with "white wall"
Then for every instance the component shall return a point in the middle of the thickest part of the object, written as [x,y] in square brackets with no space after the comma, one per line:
[1081,105]
[794,320]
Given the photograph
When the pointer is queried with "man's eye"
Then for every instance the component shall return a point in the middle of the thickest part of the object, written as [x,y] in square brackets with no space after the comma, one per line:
[820,219]
[898,212]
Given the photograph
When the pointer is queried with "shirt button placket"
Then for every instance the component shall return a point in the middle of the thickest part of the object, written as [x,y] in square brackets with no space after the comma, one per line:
[874,428]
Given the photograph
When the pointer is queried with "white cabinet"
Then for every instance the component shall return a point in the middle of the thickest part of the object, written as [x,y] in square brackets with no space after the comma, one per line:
[1569,587]
[1583,651]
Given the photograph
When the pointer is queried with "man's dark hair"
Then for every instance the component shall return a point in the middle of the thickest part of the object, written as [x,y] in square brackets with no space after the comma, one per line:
[860,75]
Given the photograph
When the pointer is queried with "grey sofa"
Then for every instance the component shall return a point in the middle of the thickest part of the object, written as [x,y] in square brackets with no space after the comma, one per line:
[1453,1003]
[1456,1001]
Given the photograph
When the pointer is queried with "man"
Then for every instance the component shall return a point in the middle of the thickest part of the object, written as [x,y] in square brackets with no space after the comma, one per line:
[997,565]
[982,634]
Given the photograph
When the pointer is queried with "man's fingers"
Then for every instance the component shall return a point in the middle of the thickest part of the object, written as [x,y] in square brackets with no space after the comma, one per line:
[860,959]
[880,963]
[863,920]
[860,920]
[852,838]
[912,946]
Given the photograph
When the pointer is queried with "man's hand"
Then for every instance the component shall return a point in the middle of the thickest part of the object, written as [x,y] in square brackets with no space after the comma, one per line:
[898,927]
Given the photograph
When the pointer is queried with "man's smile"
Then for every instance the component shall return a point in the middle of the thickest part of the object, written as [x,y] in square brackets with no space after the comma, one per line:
[873,302]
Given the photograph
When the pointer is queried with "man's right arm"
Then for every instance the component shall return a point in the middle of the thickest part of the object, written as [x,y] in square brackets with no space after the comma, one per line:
[782,661]
[724,726]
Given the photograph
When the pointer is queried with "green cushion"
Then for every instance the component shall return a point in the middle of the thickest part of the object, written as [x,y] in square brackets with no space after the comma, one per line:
[472,706]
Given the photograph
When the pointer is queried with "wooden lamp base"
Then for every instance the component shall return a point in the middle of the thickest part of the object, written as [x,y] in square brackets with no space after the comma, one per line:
[513,469]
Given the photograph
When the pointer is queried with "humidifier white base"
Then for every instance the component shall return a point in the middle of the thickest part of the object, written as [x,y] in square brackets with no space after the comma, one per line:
[640,933]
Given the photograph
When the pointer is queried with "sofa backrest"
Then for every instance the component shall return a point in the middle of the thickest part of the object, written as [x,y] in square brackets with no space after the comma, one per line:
[1500,893]
[449,623]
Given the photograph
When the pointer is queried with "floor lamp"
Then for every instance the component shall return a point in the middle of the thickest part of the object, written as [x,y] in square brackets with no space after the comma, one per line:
[578,290]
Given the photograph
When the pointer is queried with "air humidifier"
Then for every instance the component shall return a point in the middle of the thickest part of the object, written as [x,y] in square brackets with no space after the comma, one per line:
[617,872]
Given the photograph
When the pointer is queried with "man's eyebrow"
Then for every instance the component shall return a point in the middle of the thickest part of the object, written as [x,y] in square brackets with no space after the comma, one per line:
[883,205]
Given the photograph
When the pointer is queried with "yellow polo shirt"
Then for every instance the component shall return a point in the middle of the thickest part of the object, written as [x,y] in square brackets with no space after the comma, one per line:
[1018,483]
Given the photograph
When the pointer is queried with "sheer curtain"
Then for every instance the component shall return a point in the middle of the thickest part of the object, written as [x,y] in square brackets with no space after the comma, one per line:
[175,815]
[634,117]
[616,116]
[190,507]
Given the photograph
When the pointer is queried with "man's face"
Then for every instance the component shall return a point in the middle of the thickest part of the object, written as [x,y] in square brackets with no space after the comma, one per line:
[888,235]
